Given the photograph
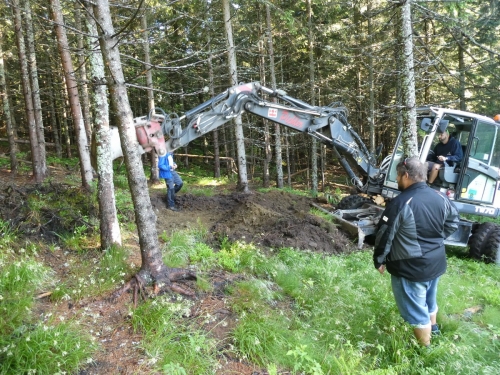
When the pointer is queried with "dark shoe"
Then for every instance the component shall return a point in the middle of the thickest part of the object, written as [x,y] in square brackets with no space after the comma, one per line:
[173,208]
[435,330]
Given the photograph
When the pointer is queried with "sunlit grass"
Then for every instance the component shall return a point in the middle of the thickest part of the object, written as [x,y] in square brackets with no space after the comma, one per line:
[201,186]
[19,280]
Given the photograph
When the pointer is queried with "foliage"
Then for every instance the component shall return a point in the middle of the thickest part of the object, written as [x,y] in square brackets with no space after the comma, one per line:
[45,349]
[172,345]
[8,234]
[94,276]
[61,209]
[334,197]
[27,345]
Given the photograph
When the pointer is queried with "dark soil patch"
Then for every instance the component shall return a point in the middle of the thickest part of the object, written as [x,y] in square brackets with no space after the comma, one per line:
[273,219]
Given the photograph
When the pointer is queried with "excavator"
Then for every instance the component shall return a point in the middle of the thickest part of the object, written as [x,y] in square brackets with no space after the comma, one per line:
[472,184]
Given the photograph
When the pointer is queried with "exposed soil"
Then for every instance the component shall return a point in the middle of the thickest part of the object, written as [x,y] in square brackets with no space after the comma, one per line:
[270,220]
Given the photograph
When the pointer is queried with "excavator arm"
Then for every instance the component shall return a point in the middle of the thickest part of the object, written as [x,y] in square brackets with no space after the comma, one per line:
[327,124]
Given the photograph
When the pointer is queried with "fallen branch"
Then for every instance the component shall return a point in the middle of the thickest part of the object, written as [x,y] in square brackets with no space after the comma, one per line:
[30,162]
[17,140]
[46,294]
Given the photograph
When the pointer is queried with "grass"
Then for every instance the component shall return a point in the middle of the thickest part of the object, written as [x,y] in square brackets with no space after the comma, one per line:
[314,314]
[29,345]
[94,275]
[173,346]
[296,311]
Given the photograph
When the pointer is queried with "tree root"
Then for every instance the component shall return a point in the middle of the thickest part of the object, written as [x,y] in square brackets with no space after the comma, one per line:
[173,275]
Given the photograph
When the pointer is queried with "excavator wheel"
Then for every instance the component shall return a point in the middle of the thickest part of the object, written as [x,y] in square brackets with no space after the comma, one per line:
[352,202]
[491,250]
[479,238]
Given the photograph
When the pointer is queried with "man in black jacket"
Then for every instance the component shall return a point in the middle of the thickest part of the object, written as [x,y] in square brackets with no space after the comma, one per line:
[410,244]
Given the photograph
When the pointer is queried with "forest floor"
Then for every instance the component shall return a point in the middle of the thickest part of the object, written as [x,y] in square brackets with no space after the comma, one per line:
[273,219]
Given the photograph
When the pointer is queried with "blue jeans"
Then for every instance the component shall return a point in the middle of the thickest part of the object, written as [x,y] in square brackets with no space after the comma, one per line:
[416,301]
[174,184]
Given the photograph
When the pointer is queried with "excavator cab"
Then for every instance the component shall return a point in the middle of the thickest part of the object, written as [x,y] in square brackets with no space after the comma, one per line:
[473,180]
[473,183]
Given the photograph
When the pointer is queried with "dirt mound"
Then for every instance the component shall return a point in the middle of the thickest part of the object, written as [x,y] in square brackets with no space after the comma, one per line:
[273,219]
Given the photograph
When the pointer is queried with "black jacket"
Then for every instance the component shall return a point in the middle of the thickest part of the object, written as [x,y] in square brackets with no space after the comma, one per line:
[452,150]
[411,233]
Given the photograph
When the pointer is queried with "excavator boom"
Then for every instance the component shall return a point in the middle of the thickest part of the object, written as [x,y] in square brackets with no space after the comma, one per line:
[327,124]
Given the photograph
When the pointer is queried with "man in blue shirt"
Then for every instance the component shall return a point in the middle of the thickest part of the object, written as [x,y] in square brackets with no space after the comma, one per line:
[174,183]
[448,150]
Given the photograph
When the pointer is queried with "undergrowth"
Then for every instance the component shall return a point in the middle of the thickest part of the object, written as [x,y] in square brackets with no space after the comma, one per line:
[297,311]
[317,314]
[28,344]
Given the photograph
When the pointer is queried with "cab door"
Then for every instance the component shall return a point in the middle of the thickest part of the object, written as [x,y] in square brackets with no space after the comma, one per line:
[479,175]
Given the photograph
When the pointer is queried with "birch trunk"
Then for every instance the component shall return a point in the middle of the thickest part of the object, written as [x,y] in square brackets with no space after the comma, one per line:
[153,270]
[108,218]
[409,110]
[233,73]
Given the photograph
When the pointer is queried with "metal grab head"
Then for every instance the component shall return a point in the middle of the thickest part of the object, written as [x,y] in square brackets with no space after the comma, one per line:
[150,135]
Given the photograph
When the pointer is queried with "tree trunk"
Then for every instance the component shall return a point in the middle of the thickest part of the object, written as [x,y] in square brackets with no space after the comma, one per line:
[152,268]
[215,133]
[277,127]
[35,88]
[371,79]
[38,174]
[108,218]
[409,111]
[82,87]
[461,72]
[267,137]
[233,73]
[314,143]
[288,162]
[6,111]
[73,97]
[53,118]
[155,173]
[65,130]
